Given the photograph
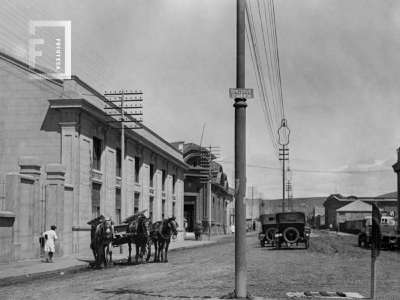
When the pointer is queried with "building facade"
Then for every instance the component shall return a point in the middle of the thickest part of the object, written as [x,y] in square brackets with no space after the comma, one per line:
[65,123]
[196,198]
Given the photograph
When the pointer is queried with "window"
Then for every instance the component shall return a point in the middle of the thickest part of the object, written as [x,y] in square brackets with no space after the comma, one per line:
[96,200]
[151,205]
[137,169]
[97,153]
[173,208]
[164,178]
[136,204]
[151,175]
[163,210]
[118,163]
[173,184]
[118,206]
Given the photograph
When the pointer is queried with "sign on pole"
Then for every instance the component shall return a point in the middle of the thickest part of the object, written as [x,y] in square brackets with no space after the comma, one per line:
[241,93]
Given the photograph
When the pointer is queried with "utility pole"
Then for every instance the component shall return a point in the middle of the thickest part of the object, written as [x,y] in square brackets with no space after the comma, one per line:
[125,116]
[283,133]
[240,158]
[206,163]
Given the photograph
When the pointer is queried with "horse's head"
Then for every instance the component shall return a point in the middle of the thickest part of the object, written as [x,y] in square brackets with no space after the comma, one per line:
[173,225]
[106,228]
[144,225]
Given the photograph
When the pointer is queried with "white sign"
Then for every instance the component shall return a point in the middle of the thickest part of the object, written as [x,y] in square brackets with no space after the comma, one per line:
[241,93]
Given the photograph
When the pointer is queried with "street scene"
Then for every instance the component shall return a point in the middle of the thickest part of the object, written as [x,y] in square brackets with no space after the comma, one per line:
[171,149]
[332,263]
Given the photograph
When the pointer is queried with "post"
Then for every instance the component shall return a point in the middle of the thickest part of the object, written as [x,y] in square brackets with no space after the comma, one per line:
[373,279]
[240,159]
[209,206]
[396,169]
[123,203]
[283,180]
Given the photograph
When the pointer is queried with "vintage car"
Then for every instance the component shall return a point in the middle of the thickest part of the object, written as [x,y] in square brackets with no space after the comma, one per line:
[268,223]
[291,229]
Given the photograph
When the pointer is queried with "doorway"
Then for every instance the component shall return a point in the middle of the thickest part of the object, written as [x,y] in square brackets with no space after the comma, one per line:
[189,216]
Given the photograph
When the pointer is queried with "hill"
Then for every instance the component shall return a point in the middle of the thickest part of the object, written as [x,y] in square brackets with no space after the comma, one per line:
[305,205]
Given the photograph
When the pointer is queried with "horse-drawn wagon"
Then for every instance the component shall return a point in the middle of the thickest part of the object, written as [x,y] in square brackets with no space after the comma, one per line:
[136,229]
[105,235]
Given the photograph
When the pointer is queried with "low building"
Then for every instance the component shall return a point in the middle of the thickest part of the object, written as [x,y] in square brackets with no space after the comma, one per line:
[350,217]
[387,203]
[62,162]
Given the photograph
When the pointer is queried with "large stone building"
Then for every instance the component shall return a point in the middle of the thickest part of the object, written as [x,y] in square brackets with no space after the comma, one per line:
[196,201]
[57,131]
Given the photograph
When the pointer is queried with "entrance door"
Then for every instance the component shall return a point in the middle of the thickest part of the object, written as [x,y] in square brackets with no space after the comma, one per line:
[189,216]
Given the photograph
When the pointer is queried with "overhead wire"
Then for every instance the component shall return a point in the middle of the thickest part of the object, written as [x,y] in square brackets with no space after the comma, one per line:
[260,77]
[83,63]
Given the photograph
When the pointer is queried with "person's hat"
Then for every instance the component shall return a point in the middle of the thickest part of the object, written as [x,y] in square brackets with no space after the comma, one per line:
[53,227]
[108,218]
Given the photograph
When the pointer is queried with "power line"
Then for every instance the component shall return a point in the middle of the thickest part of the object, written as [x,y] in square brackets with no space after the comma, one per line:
[312,171]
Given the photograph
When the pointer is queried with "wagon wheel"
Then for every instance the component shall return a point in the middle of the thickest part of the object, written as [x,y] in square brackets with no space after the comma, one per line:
[291,235]
[269,234]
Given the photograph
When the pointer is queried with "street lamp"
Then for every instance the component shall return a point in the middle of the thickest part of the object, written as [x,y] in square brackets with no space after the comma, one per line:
[283,134]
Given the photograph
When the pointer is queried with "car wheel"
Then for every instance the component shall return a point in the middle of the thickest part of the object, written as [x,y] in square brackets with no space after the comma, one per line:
[269,234]
[291,235]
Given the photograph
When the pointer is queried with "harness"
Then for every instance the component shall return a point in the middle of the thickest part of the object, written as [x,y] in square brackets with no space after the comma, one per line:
[161,228]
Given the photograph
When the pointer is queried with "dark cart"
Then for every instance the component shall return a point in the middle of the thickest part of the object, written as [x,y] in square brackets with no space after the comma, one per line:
[291,229]
[268,222]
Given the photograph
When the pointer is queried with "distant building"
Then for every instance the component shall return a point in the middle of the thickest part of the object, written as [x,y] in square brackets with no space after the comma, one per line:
[387,203]
[196,200]
[253,211]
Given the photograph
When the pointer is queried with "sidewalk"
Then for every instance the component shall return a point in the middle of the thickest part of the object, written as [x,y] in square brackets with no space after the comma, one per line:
[37,267]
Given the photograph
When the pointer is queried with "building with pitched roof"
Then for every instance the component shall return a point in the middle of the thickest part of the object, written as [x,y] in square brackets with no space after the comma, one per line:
[387,203]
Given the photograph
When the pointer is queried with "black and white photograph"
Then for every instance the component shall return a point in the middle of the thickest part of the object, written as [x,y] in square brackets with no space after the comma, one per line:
[199,149]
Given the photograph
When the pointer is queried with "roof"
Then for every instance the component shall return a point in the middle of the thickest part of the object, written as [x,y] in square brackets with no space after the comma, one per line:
[392,195]
[356,206]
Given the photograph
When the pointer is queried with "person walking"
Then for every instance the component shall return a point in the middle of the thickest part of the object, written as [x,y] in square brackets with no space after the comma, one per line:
[233,229]
[50,238]
[198,231]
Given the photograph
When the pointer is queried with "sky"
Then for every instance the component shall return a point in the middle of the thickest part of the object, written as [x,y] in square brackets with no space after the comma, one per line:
[339,68]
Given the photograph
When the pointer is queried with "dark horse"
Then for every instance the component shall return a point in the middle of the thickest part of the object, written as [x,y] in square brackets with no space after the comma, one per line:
[93,226]
[104,237]
[161,234]
[140,237]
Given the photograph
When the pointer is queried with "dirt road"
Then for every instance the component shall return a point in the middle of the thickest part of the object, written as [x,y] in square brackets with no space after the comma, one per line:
[332,263]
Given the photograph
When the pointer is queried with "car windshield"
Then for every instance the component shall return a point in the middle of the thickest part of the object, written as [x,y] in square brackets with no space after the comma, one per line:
[290,218]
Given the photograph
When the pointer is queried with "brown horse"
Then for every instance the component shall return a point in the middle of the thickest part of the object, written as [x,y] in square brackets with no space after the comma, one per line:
[140,237]
[104,237]
[162,231]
